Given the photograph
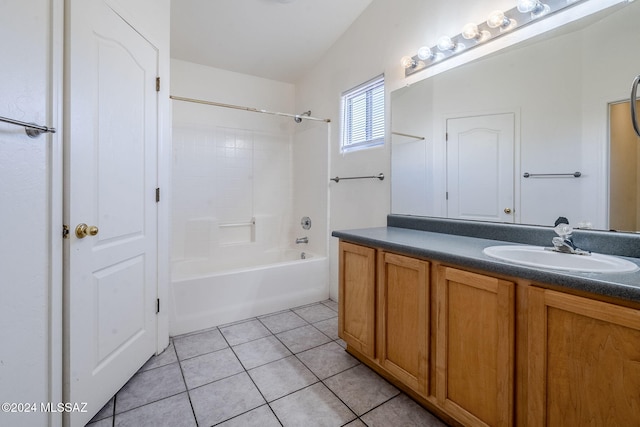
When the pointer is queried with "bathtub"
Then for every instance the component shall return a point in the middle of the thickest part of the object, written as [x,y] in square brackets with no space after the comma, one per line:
[207,293]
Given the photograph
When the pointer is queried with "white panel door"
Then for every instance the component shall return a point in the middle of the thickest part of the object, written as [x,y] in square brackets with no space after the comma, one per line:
[110,180]
[480,167]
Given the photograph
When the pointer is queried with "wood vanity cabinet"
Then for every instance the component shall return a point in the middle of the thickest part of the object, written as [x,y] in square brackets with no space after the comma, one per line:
[357,297]
[584,361]
[475,347]
[384,311]
[403,319]
[479,350]
[468,377]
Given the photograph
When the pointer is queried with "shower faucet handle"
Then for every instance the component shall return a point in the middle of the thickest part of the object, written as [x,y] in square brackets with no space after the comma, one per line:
[305,222]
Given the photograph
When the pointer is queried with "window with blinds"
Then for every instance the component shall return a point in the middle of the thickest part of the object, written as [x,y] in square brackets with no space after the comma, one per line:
[363,116]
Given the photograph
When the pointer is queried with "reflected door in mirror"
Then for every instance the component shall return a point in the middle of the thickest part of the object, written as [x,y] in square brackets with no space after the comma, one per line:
[624,170]
[480,167]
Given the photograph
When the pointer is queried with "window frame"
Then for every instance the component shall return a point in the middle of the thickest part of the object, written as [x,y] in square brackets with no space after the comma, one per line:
[367,88]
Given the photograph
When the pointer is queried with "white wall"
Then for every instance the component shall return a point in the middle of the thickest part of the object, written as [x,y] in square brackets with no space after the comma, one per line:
[26,284]
[31,196]
[386,31]
[374,44]
[310,177]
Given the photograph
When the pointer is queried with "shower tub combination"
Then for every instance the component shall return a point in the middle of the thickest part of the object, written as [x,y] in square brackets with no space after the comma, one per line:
[207,294]
[233,203]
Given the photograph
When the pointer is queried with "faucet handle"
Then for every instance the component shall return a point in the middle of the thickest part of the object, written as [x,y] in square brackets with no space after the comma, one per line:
[561,220]
[563,230]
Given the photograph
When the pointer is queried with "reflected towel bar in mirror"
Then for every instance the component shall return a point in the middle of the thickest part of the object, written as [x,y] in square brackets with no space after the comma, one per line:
[380,176]
[534,175]
[408,135]
[32,130]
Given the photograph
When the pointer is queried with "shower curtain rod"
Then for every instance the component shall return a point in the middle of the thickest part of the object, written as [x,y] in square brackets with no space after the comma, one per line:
[238,107]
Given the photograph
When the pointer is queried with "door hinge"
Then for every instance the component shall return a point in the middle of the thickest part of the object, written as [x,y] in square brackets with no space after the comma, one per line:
[446,136]
[446,195]
[157,305]
[157,84]
[65,231]
[157,195]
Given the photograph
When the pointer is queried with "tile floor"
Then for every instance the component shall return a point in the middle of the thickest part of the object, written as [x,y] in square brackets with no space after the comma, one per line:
[283,369]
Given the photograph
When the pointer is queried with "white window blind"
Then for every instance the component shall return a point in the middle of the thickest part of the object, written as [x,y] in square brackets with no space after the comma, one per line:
[363,115]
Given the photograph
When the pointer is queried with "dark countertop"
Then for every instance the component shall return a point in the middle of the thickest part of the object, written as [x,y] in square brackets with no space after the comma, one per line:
[466,251]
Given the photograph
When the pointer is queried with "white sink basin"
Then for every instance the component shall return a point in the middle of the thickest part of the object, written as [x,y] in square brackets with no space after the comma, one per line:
[537,256]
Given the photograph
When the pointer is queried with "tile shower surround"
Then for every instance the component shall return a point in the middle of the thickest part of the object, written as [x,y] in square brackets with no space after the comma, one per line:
[283,369]
[229,175]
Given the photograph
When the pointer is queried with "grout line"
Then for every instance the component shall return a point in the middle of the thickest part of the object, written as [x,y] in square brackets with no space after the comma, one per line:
[216,380]
[286,330]
[197,355]
[271,361]
[238,373]
[193,411]
[149,403]
[246,371]
[237,322]
[310,348]
[253,382]
[327,335]
[386,401]
[319,381]
[246,412]
[338,397]
[113,415]
[275,313]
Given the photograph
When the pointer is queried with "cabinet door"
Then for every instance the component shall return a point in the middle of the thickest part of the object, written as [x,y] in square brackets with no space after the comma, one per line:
[584,361]
[357,297]
[403,319]
[475,347]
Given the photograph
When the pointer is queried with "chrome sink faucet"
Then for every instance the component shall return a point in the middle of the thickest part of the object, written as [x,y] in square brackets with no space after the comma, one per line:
[564,242]
[302,240]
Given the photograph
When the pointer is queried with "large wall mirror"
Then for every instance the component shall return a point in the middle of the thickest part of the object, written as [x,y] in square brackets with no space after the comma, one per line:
[536,131]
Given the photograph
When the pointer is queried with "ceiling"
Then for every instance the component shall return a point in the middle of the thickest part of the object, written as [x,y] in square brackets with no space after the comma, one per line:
[274,39]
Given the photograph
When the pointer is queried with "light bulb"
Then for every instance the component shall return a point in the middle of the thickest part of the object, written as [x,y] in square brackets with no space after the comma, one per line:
[472,32]
[525,6]
[445,43]
[536,7]
[425,53]
[497,19]
[408,62]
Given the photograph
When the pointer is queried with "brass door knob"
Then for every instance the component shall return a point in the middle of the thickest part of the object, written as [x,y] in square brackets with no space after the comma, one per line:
[507,210]
[83,230]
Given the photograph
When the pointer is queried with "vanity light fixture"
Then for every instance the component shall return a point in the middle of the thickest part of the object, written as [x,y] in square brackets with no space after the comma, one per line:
[536,7]
[498,23]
